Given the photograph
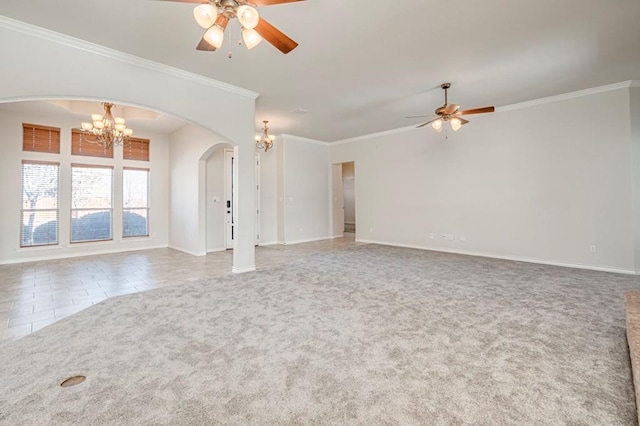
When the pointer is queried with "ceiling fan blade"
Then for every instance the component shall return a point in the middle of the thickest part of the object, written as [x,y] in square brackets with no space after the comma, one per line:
[270,2]
[451,108]
[276,37]
[418,116]
[204,46]
[428,122]
[478,110]
[462,120]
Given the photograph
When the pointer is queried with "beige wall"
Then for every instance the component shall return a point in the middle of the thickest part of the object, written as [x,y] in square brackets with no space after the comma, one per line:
[540,183]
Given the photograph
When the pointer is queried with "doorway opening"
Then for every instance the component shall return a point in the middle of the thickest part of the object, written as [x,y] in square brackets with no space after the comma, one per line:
[344,199]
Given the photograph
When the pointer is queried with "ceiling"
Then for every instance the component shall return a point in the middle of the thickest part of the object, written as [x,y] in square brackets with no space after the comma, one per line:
[363,65]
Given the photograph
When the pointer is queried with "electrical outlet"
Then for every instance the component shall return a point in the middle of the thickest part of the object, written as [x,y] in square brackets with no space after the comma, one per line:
[431,235]
[445,237]
[593,249]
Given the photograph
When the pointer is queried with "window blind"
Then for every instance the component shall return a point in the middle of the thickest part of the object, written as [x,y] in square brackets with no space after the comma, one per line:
[136,149]
[91,203]
[80,146]
[39,212]
[40,138]
[135,202]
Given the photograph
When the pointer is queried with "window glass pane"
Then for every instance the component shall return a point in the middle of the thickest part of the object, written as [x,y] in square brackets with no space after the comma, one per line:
[135,223]
[91,194]
[135,194]
[39,218]
[90,225]
[135,190]
[91,187]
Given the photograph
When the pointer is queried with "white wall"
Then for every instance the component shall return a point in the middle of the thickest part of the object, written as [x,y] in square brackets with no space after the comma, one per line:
[304,209]
[189,148]
[11,156]
[634,137]
[539,183]
[269,196]
[108,75]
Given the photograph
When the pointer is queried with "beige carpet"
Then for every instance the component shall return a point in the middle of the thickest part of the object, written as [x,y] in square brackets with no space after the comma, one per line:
[370,335]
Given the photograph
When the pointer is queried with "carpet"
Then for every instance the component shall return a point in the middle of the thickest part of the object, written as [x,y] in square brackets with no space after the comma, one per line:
[368,335]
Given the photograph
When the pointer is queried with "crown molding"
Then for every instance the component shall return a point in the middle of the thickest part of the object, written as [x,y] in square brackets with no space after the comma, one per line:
[96,49]
[570,95]
[374,135]
[520,105]
[307,140]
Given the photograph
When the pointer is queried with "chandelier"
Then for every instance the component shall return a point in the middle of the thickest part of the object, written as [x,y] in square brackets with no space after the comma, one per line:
[106,130]
[215,15]
[265,140]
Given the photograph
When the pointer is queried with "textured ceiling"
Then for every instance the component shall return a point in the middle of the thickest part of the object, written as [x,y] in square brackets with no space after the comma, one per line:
[363,65]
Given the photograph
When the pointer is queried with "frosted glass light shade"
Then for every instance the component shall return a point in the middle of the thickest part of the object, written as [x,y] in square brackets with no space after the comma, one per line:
[120,127]
[251,38]
[119,120]
[437,125]
[248,16]
[96,117]
[258,137]
[128,132]
[205,15]
[272,138]
[98,125]
[87,126]
[456,124]
[214,36]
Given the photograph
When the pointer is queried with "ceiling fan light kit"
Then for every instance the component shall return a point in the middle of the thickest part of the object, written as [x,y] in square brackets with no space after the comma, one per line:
[214,16]
[450,112]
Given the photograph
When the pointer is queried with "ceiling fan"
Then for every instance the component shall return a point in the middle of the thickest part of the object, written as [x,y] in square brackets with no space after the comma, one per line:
[449,112]
[214,15]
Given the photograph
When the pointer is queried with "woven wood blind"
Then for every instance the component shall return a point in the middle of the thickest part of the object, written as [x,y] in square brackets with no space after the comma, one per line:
[136,149]
[80,146]
[40,138]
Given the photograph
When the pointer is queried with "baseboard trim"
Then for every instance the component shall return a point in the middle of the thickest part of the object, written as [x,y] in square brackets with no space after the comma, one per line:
[216,250]
[68,255]
[310,240]
[192,253]
[512,258]
[269,243]
[244,269]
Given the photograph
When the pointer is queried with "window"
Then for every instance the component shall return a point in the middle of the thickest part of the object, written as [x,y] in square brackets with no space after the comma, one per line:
[136,149]
[39,213]
[135,194]
[80,146]
[40,138]
[91,206]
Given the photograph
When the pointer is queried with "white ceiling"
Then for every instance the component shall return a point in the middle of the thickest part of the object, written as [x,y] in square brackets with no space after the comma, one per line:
[363,65]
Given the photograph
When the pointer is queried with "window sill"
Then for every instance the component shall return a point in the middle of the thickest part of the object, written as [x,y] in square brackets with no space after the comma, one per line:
[136,239]
[38,248]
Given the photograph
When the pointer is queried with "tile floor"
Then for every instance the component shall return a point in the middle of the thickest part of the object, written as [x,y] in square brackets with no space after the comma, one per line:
[36,294]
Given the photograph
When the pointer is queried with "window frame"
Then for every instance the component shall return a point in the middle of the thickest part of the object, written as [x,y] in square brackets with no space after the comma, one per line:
[110,209]
[23,210]
[148,208]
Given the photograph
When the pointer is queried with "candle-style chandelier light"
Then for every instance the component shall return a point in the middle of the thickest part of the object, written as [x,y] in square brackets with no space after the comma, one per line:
[264,140]
[106,130]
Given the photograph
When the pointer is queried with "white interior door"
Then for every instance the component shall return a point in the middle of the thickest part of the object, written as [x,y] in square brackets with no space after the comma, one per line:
[229,163]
